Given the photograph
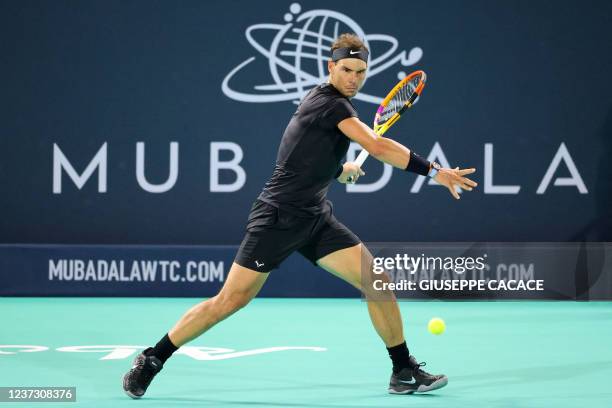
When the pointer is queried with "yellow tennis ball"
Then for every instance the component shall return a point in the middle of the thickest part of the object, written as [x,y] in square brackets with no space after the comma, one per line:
[436,326]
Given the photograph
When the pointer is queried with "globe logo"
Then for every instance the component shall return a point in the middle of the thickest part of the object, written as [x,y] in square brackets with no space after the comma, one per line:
[297,56]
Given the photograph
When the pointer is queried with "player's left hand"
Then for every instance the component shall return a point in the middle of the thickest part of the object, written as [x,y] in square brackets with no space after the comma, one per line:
[350,173]
[451,178]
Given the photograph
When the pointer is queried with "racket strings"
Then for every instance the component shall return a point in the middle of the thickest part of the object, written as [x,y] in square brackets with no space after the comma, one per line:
[401,97]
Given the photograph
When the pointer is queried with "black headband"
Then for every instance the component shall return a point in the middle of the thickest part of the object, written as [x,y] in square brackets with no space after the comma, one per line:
[347,52]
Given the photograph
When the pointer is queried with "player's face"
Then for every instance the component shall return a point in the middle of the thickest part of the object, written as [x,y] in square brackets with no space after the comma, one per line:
[347,75]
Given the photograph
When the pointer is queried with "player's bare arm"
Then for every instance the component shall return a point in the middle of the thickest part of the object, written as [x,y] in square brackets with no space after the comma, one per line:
[391,152]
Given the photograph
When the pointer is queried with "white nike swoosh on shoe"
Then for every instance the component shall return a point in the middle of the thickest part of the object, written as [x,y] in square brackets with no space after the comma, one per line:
[412,381]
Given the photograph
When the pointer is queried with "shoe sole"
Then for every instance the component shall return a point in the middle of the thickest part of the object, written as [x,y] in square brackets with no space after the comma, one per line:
[129,394]
[442,382]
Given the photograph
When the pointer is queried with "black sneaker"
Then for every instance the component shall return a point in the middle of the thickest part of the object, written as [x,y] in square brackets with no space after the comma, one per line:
[144,368]
[413,379]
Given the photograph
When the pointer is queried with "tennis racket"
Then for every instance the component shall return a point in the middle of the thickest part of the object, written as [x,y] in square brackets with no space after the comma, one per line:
[401,97]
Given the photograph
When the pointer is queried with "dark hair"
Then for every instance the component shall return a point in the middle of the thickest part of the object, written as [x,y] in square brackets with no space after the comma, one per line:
[349,40]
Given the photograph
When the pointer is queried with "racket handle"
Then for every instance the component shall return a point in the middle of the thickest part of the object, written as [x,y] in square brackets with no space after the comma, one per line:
[362,157]
[360,160]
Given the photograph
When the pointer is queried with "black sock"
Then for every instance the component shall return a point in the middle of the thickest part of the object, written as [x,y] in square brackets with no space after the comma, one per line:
[399,356]
[163,349]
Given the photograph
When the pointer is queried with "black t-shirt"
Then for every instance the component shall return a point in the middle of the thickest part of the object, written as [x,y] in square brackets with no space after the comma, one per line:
[310,153]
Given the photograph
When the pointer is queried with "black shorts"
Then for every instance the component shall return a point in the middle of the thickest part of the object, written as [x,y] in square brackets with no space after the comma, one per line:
[273,234]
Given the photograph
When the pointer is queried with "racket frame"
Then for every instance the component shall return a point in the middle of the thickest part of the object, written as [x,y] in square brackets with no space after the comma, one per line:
[382,128]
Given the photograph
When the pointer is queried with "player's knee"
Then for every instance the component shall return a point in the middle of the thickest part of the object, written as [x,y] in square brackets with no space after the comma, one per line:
[231,303]
[375,287]
[240,300]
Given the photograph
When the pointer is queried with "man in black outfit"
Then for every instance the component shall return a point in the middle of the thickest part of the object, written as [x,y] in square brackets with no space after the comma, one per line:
[293,214]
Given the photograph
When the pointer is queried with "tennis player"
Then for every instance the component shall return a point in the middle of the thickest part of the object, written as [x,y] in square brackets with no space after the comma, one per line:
[293,214]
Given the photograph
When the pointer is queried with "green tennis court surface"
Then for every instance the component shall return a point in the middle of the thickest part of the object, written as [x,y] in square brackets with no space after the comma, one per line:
[503,354]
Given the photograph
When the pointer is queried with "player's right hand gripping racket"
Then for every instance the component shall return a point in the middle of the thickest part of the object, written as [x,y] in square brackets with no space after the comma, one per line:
[401,97]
